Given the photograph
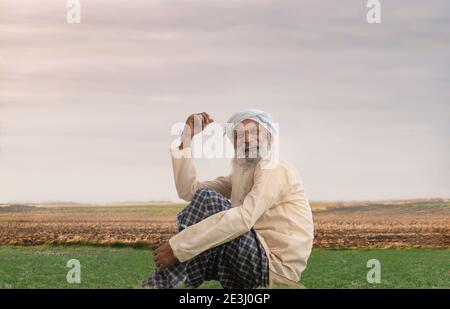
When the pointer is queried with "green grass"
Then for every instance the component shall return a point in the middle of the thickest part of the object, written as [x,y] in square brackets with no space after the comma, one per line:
[116,267]
[400,268]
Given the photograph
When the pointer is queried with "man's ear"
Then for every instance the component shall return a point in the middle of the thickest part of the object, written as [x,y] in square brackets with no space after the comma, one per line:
[266,134]
[269,141]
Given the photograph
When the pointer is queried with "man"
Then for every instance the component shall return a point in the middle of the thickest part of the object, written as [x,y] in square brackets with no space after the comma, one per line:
[251,228]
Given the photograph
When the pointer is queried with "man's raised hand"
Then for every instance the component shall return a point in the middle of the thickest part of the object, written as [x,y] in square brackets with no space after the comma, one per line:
[195,124]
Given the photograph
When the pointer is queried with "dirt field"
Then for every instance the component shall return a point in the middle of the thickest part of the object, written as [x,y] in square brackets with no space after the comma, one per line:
[381,226]
[337,225]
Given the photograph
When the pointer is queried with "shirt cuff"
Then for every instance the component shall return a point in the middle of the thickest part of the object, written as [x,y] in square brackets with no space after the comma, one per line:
[179,254]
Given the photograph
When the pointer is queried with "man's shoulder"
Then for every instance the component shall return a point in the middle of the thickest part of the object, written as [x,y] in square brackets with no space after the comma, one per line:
[279,166]
[287,165]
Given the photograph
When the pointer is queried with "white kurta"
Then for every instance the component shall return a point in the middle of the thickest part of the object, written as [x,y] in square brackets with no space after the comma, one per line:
[272,202]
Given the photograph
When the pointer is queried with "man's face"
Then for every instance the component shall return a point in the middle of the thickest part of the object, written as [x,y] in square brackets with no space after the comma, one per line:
[251,140]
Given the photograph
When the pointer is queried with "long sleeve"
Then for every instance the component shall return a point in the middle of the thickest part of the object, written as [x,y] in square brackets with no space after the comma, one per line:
[227,225]
[186,176]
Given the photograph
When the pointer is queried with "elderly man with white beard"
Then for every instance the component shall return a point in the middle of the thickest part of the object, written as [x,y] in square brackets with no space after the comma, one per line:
[249,229]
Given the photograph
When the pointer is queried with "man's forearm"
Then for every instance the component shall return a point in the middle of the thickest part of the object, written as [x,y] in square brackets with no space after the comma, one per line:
[185,140]
[212,231]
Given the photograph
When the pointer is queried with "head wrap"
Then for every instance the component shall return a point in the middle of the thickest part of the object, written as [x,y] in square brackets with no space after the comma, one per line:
[259,116]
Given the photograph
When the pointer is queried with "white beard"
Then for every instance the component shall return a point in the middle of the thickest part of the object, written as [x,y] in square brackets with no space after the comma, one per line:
[243,166]
[242,177]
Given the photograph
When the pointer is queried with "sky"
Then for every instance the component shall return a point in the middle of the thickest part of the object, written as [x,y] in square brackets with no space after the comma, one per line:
[86,109]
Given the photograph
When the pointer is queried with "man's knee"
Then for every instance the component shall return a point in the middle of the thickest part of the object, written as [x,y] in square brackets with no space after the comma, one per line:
[209,200]
[205,193]
[204,203]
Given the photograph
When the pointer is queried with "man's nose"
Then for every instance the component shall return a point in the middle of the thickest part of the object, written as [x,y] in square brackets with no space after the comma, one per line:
[249,138]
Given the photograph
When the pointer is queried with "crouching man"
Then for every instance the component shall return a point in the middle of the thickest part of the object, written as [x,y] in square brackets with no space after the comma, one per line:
[249,229]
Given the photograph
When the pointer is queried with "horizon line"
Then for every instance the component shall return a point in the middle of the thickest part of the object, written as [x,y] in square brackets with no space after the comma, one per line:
[441,199]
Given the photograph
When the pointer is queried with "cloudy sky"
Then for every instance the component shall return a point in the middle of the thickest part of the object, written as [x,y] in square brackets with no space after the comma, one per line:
[86,109]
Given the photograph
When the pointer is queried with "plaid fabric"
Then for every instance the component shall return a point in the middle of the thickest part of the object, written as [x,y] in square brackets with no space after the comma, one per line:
[240,263]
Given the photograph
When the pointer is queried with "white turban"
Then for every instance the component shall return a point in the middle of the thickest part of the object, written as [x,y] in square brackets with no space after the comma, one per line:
[260,117]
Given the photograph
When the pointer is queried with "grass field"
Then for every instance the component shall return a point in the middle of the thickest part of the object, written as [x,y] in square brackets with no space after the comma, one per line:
[410,238]
[44,266]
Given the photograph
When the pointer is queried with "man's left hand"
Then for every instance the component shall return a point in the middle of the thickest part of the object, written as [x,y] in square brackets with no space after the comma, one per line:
[164,256]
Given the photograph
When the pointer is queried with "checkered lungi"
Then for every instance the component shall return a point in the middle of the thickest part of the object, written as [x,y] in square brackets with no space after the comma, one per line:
[240,263]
